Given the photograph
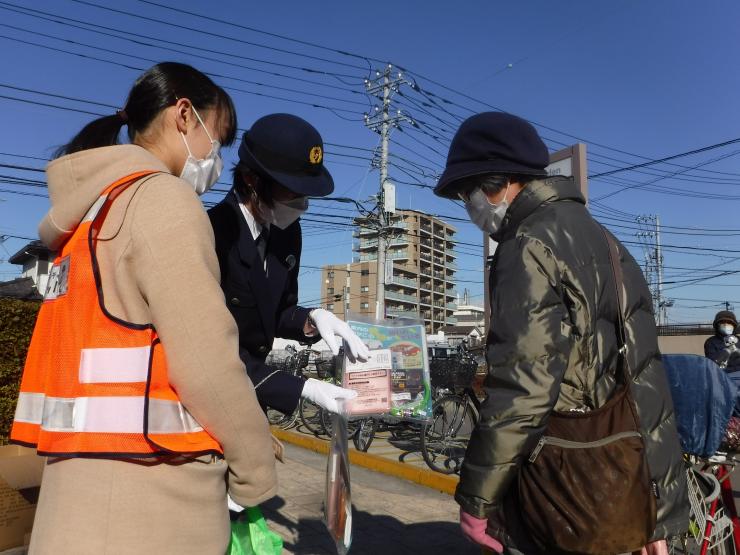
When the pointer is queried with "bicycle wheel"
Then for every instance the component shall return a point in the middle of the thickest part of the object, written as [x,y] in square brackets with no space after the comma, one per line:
[365,434]
[310,414]
[326,422]
[445,437]
[275,417]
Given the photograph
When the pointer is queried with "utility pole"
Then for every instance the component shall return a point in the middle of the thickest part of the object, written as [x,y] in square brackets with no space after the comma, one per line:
[650,239]
[663,314]
[382,122]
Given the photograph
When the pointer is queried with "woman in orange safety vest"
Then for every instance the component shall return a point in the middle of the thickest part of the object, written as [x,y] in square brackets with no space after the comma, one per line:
[133,386]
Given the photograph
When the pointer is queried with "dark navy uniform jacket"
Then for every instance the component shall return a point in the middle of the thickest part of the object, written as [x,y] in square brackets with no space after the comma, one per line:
[264,305]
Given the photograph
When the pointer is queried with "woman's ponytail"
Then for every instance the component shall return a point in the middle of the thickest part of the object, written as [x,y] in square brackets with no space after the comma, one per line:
[100,132]
[155,90]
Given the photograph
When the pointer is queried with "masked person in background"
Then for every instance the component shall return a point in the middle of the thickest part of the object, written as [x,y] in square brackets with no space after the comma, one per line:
[722,347]
[258,243]
[133,386]
[552,341]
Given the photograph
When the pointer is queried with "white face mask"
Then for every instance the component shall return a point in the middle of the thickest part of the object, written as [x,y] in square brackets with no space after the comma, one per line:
[488,217]
[285,213]
[726,329]
[202,174]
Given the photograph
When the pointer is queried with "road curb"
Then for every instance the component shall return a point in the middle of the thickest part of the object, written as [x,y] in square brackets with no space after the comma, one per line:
[422,476]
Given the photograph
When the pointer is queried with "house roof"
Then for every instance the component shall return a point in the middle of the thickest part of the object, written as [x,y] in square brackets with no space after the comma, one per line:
[34,249]
[459,330]
[20,288]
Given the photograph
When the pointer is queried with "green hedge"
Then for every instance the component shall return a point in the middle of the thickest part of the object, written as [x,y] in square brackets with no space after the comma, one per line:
[17,319]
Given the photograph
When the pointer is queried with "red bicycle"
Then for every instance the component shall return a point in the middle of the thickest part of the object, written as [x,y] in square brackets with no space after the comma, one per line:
[714,527]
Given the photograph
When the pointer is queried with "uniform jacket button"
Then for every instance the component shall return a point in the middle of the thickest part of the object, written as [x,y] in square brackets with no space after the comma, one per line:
[235,300]
[262,349]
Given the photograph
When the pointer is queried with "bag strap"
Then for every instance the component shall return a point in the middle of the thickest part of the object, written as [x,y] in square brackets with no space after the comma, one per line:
[618,287]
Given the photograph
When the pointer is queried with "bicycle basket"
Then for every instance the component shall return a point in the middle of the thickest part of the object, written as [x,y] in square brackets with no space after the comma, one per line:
[452,372]
[700,502]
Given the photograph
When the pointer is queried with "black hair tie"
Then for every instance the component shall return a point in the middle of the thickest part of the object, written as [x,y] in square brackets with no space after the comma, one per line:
[123,115]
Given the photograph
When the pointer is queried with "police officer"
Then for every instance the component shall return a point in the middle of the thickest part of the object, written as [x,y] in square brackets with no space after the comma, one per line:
[258,243]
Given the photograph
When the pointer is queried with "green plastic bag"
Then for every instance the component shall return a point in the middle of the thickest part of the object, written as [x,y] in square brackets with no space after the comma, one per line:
[251,536]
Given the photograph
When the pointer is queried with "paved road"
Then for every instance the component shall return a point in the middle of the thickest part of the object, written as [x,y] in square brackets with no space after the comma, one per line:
[391,516]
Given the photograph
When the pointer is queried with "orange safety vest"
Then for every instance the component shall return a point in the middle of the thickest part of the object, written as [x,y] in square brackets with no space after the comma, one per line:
[94,384]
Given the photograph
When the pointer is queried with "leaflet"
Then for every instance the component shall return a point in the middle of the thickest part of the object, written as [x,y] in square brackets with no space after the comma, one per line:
[400,352]
[372,381]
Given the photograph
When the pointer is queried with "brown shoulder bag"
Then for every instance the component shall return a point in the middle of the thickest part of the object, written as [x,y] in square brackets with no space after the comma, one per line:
[586,487]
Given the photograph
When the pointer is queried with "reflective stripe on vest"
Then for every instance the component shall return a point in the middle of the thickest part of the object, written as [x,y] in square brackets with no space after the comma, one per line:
[93,383]
[121,415]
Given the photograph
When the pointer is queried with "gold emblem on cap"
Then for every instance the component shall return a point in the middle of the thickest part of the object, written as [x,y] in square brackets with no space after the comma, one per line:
[316,155]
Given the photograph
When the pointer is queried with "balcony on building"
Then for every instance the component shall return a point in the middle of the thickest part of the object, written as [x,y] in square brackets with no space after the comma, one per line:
[365,244]
[397,254]
[402,281]
[401,297]
[366,232]
[397,223]
[397,312]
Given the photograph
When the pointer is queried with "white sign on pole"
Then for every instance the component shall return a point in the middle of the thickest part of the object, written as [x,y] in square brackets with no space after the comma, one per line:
[389,197]
[562,167]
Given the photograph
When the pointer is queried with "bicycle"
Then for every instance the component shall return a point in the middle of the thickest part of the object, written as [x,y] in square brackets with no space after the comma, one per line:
[706,437]
[311,413]
[455,413]
[714,527]
[294,364]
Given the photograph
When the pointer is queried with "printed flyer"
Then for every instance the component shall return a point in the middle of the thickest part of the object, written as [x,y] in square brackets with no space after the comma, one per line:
[372,382]
[410,389]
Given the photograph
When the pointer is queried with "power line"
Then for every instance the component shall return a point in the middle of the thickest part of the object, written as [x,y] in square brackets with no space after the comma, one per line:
[217,35]
[667,158]
[179,9]
[211,74]
[128,34]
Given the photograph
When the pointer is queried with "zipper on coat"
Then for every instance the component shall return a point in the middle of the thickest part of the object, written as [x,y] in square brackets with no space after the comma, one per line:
[568,444]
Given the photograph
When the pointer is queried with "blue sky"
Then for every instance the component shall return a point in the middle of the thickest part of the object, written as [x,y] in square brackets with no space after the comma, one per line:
[650,79]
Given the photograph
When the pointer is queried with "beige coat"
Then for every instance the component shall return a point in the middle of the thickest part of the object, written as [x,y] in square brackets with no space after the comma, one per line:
[158,265]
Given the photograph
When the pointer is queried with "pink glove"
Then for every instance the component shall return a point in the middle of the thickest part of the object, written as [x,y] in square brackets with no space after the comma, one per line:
[659,547]
[474,529]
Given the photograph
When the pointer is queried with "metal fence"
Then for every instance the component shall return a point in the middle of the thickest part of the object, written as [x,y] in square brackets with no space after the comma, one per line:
[686,329]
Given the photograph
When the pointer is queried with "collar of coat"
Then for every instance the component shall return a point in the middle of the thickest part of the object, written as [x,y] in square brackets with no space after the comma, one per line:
[536,194]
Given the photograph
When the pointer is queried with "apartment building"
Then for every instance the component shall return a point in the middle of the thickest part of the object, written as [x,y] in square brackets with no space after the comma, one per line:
[420,270]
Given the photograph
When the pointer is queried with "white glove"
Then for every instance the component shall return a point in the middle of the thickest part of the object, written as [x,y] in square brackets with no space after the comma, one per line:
[325,394]
[233,505]
[329,325]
